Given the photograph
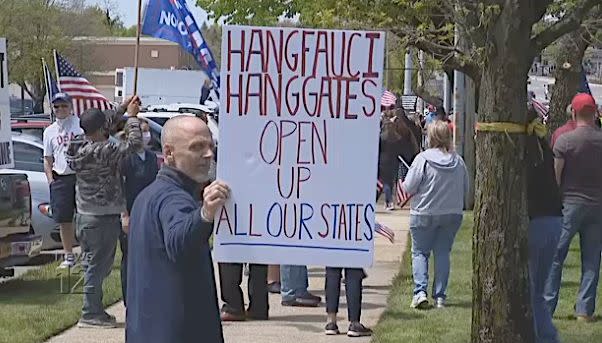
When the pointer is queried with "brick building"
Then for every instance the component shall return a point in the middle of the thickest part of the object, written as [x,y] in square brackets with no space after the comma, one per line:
[99,57]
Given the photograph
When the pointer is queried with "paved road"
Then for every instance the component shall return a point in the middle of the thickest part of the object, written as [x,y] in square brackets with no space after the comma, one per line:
[538,82]
[295,324]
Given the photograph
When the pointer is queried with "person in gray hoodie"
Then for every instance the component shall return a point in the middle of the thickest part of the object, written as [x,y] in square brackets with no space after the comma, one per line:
[436,182]
[100,200]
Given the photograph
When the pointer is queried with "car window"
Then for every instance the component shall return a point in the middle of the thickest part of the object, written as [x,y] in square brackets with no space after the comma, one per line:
[158,120]
[28,157]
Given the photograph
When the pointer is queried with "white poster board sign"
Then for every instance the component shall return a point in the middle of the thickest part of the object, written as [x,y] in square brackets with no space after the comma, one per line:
[6,143]
[299,128]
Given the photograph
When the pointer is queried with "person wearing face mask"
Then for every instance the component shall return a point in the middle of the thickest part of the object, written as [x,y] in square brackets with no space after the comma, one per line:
[100,199]
[138,170]
[171,295]
[60,177]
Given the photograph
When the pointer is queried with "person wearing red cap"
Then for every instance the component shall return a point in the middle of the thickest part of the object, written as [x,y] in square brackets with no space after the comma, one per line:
[578,165]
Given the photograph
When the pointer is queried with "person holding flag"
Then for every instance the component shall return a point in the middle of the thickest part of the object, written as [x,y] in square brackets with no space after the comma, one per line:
[437,182]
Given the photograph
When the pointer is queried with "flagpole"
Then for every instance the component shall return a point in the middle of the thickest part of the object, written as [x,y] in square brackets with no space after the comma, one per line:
[56,68]
[137,57]
[46,71]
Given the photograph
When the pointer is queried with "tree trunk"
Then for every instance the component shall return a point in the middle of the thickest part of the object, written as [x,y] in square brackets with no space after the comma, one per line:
[501,311]
[571,49]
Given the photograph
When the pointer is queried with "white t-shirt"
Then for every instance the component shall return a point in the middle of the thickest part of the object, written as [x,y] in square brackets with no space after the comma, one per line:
[56,142]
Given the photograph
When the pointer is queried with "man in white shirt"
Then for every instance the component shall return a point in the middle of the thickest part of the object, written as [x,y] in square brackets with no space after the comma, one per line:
[60,177]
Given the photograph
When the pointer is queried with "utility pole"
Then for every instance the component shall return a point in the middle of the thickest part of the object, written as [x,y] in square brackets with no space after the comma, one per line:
[447,91]
[420,79]
[469,144]
[459,104]
[407,77]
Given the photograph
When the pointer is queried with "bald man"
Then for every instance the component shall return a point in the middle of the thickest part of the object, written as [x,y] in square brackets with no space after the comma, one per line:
[171,293]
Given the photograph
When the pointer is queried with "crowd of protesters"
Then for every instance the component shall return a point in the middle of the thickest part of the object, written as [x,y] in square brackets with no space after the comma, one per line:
[110,184]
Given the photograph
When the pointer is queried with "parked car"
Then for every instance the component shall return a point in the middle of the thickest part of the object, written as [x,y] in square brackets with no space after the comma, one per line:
[33,125]
[29,160]
[18,244]
[161,113]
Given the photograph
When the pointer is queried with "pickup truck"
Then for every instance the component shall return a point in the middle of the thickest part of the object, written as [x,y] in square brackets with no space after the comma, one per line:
[17,243]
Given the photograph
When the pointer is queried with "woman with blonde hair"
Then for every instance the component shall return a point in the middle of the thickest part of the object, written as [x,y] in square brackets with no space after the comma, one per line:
[437,181]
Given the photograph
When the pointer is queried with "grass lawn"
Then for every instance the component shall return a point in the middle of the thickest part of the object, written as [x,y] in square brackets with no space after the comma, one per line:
[33,309]
[400,323]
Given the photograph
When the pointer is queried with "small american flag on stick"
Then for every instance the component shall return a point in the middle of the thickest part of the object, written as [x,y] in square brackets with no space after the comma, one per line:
[83,94]
[402,196]
[384,231]
[388,99]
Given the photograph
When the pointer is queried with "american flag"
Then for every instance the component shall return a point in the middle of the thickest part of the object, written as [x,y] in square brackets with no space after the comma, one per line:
[541,109]
[384,231]
[83,93]
[388,99]
[402,196]
[379,186]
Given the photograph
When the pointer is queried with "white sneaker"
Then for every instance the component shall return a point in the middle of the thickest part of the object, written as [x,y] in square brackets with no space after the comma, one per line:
[440,303]
[69,262]
[420,301]
[390,207]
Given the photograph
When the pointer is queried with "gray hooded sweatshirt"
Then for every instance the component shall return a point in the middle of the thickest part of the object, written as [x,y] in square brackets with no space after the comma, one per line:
[437,181]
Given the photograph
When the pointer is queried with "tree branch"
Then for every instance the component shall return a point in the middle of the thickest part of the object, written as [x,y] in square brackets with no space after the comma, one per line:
[27,90]
[448,55]
[569,22]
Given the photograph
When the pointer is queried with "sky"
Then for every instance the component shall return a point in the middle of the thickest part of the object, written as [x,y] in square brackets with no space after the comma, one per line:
[128,12]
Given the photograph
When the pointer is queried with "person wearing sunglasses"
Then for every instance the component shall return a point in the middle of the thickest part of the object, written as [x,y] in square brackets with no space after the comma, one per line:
[60,177]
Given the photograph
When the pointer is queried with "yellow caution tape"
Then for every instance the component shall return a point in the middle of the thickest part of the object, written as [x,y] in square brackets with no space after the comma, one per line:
[535,127]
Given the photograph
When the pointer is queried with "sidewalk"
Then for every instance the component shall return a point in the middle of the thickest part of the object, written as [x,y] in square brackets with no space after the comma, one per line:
[289,324]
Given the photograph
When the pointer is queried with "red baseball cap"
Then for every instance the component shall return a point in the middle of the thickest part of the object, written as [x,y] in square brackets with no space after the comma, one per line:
[583,101]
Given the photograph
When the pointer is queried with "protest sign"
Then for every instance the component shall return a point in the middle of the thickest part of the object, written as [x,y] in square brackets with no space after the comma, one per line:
[299,128]
[6,145]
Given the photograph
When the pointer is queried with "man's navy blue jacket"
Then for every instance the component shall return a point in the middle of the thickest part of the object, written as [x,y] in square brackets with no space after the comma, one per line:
[171,293]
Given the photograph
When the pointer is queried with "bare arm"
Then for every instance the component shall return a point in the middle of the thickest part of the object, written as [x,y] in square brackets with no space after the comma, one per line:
[558,168]
[48,163]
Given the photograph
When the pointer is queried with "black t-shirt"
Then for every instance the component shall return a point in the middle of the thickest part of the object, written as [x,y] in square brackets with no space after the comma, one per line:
[543,195]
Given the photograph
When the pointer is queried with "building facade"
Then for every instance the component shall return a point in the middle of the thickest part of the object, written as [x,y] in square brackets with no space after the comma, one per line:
[98,58]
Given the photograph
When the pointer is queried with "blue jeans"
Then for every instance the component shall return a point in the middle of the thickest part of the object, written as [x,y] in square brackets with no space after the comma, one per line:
[388,193]
[434,233]
[587,221]
[293,282]
[353,291]
[544,234]
[98,236]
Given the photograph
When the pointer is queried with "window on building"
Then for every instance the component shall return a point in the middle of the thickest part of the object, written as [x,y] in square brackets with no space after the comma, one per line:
[155,53]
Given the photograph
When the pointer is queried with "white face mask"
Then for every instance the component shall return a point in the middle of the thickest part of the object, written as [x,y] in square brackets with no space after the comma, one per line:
[146,137]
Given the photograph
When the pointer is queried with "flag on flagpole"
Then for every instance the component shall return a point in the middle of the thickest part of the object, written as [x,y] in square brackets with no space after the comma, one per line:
[384,231]
[402,196]
[172,20]
[83,94]
[51,86]
[388,99]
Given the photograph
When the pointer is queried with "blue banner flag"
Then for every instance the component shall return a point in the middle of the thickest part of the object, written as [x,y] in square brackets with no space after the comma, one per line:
[173,21]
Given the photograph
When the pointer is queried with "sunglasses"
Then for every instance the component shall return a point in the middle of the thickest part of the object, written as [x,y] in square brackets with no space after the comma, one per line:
[61,106]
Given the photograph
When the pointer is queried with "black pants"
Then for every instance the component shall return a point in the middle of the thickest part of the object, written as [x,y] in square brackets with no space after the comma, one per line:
[123,244]
[353,287]
[230,279]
